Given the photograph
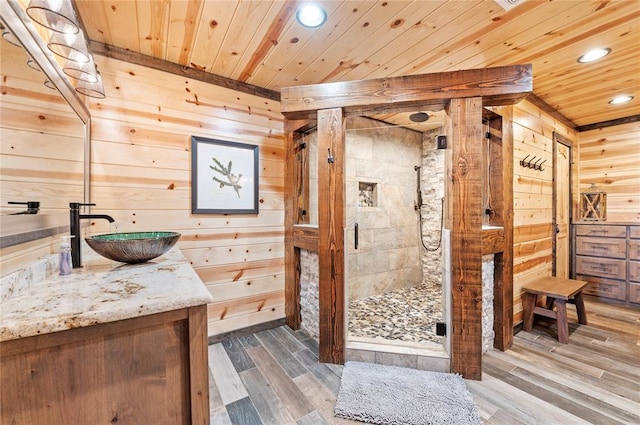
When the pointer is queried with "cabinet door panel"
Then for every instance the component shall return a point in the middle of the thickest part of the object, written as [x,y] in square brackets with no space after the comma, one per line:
[634,249]
[606,288]
[603,267]
[634,271]
[601,247]
[634,292]
[601,230]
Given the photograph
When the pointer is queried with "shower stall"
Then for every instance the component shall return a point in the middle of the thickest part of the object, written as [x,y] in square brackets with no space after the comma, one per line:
[394,286]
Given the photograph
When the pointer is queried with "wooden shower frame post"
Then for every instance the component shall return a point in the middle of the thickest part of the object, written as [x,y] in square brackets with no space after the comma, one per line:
[463,187]
[329,104]
[501,185]
[296,200]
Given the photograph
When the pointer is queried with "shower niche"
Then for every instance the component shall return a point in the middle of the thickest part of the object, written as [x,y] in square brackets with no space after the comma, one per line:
[367,195]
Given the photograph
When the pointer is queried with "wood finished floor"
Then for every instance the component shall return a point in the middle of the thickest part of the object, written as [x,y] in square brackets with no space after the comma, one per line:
[273,376]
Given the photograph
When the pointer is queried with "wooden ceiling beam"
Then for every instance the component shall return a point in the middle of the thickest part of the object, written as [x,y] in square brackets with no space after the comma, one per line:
[497,86]
[184,71]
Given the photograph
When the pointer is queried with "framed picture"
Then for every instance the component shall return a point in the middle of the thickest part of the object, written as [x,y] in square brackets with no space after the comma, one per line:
[224,177]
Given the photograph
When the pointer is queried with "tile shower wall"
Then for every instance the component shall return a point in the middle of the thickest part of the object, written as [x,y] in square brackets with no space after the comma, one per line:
[388,255]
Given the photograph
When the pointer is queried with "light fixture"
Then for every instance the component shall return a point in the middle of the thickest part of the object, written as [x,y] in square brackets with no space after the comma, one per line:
[594,55]
[8,36]
[311,15]
[618,100]
[69,46]
[57,15]
[84,71]
[68,41]
[32,64]
[95,89]
[419,117]
[48,84]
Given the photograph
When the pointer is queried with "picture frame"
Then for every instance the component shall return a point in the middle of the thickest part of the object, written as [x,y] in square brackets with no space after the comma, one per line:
[224,177]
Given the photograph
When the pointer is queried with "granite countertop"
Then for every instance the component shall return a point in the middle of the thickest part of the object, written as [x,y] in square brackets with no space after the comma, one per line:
[102,291]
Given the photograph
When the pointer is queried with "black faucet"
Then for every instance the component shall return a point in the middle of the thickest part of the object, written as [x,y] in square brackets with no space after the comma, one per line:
[74,225]
[32,207]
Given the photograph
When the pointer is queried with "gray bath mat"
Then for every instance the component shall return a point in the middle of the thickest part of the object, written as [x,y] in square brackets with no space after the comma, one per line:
[391,395]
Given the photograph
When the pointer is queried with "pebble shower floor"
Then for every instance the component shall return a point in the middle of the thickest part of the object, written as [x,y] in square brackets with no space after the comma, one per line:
[408,315]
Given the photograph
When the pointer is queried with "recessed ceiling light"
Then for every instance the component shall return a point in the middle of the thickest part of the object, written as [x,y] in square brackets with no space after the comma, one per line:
[621,99]
[594,55]
[311,15]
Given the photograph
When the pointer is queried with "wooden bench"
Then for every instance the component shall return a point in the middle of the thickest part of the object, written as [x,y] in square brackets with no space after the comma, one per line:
[558,291]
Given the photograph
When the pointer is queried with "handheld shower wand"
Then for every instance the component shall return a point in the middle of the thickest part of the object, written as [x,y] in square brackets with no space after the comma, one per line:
[418,204]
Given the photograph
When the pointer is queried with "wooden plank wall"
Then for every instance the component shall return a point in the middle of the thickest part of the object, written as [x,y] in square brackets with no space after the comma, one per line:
[610,158]
[141,164]
[533,196]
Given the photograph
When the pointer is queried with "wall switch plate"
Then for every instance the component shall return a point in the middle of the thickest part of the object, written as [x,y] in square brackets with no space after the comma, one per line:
[441,142]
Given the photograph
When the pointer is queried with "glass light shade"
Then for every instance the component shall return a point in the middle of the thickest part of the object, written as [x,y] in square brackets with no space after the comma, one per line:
[69,46]
[32,64]
[95,89]
[57,15]
[48,84]
[83,71]
[8,36]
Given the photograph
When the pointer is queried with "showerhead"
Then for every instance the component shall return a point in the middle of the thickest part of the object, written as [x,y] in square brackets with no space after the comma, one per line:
[419,117]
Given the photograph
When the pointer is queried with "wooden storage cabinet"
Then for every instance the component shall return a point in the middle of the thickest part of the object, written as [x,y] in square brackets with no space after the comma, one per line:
[608,257]
[147,370]
[634,265]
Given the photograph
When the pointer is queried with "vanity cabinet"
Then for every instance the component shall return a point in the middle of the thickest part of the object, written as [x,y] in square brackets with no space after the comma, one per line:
[109,343]
[146,370]
[608,257]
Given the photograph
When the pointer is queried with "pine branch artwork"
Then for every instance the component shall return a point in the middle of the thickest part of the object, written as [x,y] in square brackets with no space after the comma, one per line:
[232,180]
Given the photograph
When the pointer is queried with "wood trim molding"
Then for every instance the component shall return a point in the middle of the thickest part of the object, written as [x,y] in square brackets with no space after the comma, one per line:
[492,241]
[610,123]
[549,110]
[497,86]
[306,237]
[184,71]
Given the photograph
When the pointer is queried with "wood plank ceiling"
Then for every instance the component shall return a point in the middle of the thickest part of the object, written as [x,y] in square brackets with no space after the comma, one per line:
[260,42]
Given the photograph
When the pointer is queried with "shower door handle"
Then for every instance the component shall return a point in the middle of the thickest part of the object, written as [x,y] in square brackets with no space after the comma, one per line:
[355,234]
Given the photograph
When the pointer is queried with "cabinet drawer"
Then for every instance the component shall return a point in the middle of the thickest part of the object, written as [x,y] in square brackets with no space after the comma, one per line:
[634,232]
[606,288]
[634,249]
[601,230]
[601,247]
[603,267]
[634,292]
[634,271]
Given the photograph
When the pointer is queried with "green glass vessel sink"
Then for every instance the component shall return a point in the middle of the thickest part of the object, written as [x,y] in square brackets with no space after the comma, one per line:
[134,247]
